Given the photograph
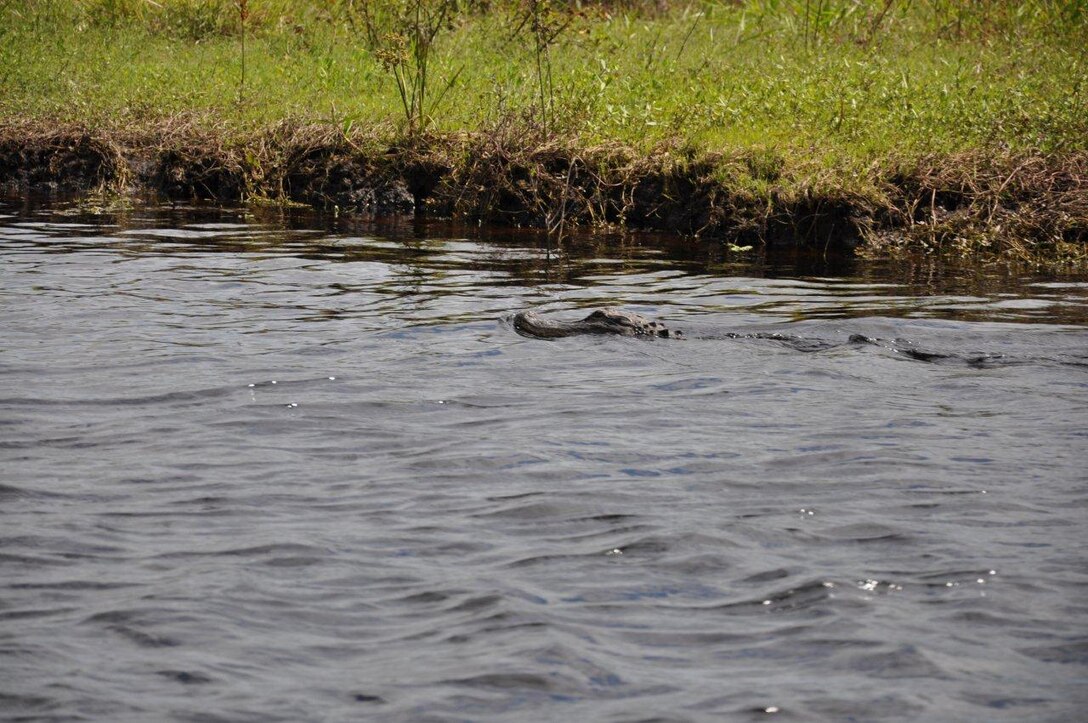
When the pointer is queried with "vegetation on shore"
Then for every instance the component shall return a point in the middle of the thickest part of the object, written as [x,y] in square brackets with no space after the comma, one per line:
[931,125]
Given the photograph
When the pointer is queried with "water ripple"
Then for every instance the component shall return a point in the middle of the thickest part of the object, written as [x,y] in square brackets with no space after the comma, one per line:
[307,470]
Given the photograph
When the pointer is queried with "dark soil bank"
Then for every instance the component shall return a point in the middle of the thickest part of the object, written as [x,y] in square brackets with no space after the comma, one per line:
[1026,207]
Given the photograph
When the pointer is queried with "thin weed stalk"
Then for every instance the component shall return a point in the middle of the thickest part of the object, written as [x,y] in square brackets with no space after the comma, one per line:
[243,16]
[545,25]
[402,38]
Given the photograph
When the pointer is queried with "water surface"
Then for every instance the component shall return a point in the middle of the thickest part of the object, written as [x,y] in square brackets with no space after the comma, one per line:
[259,468]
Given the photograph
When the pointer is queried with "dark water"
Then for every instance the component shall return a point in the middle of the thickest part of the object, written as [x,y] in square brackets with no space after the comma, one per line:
[256,470]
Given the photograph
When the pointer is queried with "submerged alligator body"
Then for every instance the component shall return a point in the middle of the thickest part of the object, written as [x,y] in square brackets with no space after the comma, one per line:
[609,320]
[615,321]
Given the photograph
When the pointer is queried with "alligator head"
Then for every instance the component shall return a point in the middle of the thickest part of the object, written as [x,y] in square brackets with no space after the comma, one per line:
[602,321]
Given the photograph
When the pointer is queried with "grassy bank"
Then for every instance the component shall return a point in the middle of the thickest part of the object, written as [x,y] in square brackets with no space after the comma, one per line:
[932,124]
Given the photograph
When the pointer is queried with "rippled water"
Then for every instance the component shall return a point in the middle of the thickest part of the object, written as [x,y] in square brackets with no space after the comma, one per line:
[263,469]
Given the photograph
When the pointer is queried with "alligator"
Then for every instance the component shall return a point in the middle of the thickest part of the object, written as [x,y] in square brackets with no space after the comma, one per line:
[610,320]
[615,321]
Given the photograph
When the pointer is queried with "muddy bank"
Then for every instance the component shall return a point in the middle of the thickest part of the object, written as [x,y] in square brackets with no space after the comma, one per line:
[1023,207]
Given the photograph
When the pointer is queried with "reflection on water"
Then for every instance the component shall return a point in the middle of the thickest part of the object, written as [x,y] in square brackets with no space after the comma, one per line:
[270,467]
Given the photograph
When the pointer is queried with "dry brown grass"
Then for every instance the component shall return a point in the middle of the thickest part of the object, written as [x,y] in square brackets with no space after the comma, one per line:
[1027,208]
[1019,207]
[69,157]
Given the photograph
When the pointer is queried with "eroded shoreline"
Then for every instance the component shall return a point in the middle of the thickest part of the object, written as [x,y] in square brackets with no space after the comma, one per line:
[1019,207]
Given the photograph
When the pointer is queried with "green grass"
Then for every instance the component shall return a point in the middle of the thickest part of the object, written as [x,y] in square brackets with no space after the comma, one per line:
[825,82]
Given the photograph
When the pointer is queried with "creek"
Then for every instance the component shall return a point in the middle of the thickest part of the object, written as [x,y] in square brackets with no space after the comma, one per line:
[264,466]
